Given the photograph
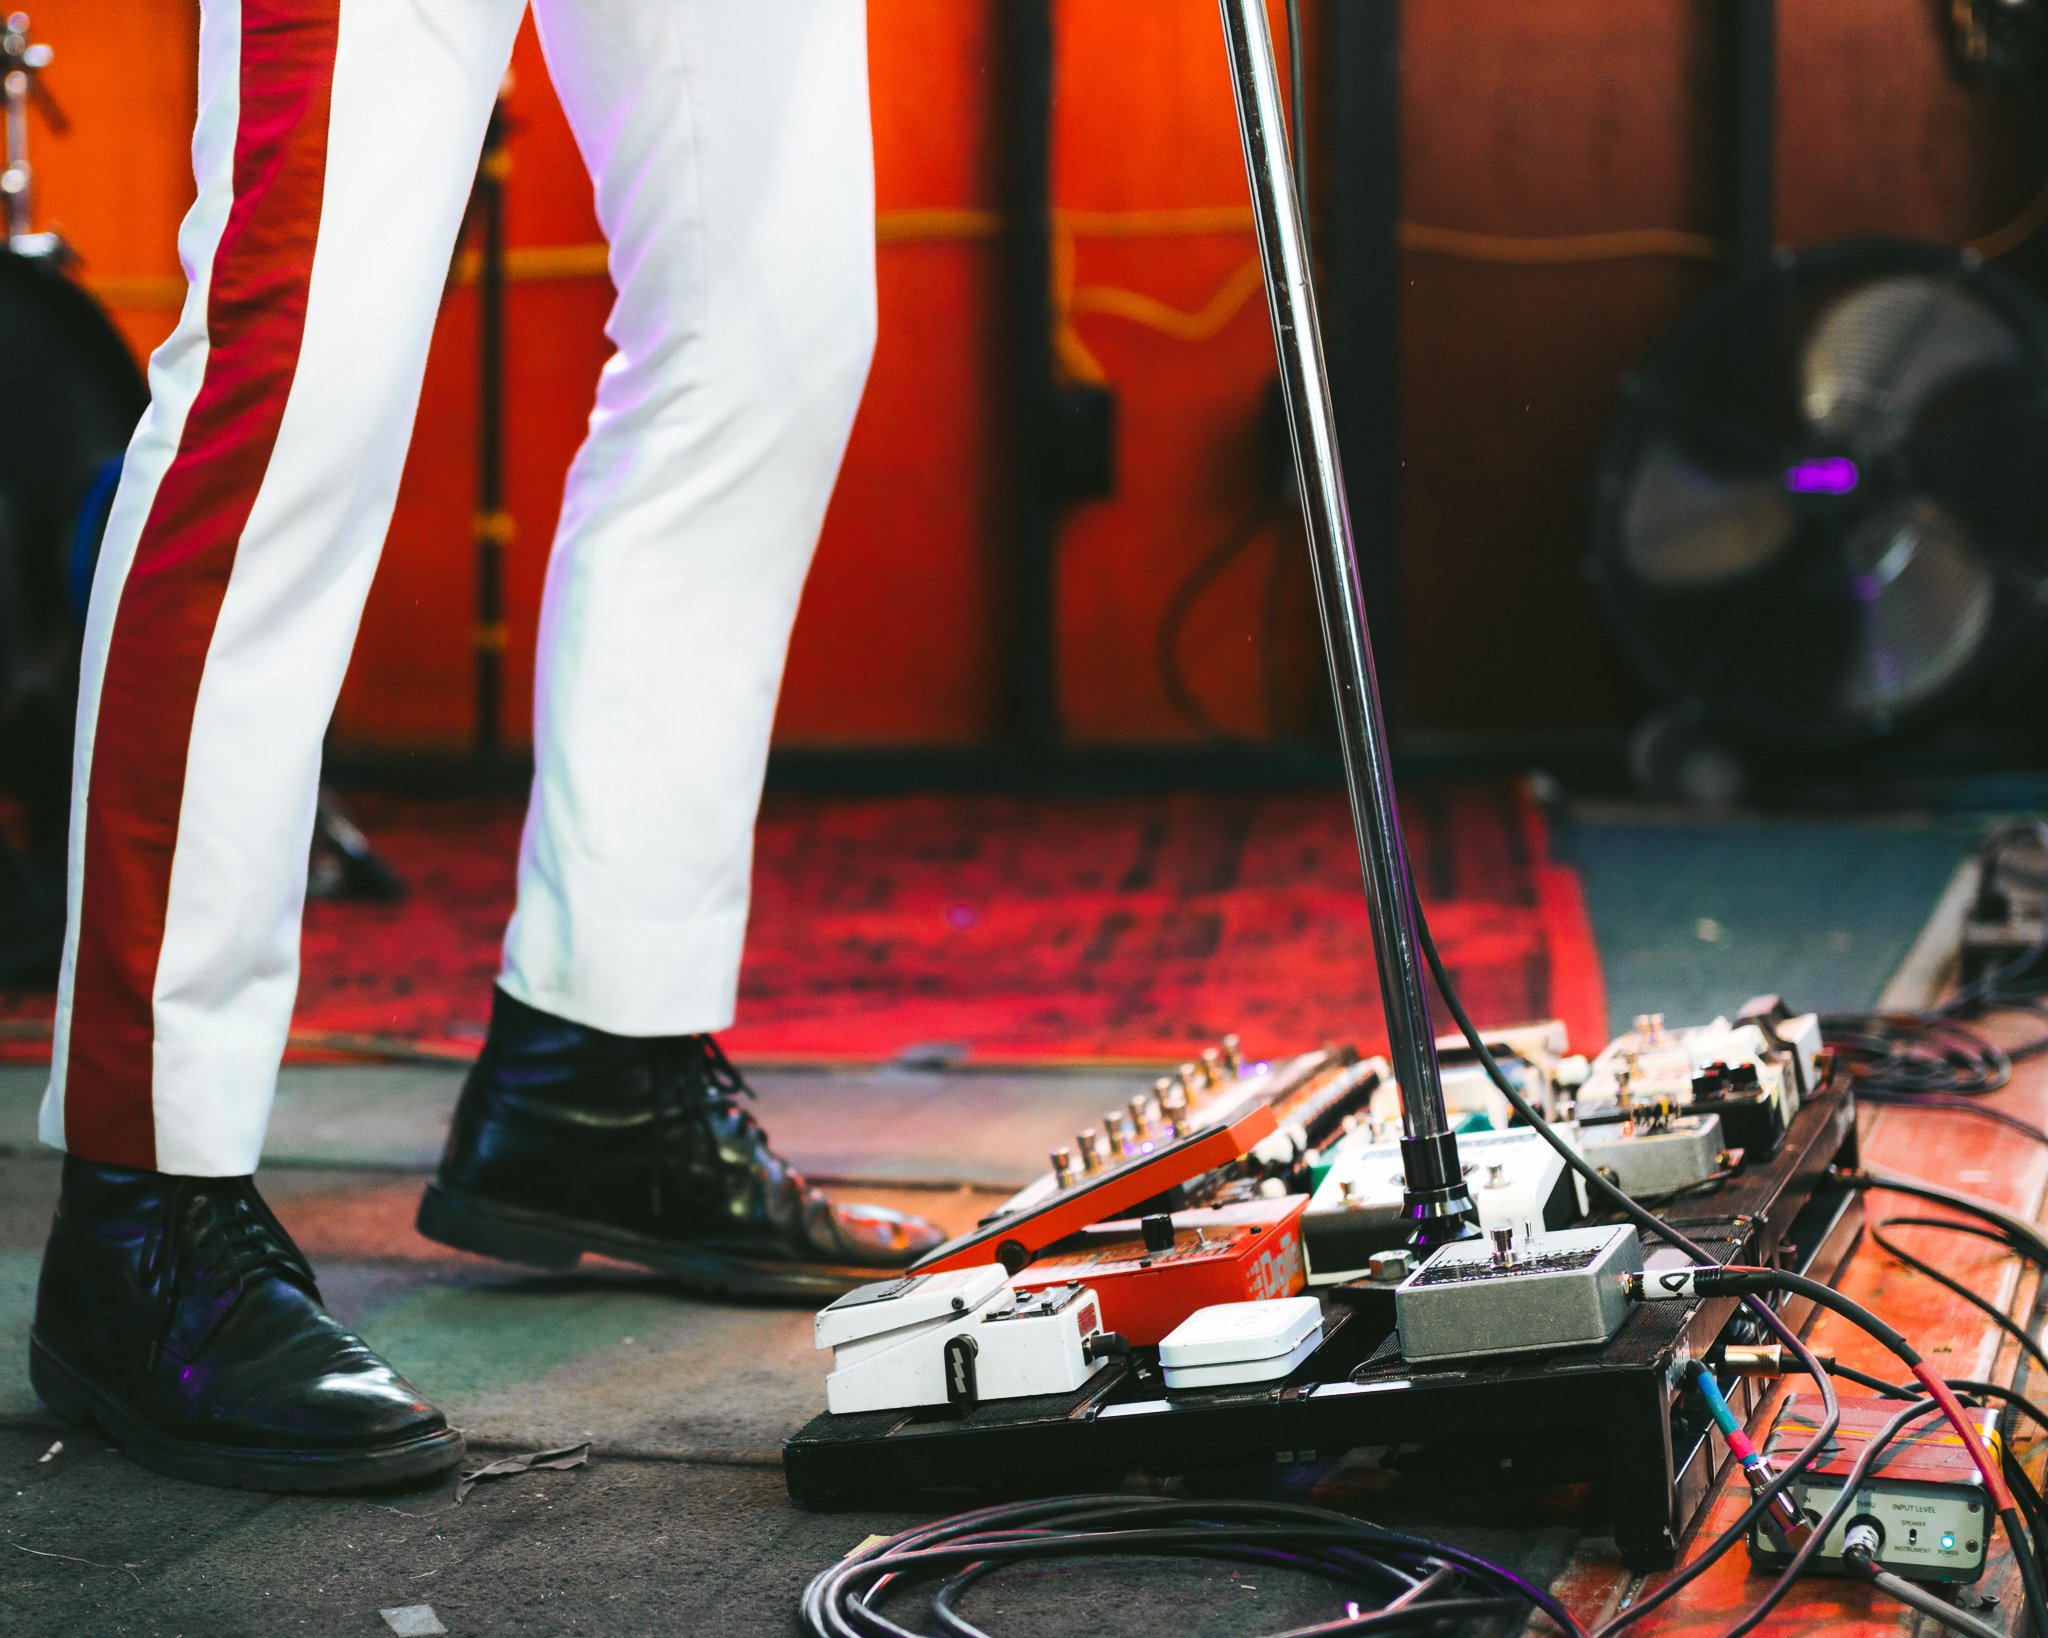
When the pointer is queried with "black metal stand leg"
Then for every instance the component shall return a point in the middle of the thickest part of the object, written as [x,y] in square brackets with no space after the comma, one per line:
[1438,1202]
[344,864]
[493,525]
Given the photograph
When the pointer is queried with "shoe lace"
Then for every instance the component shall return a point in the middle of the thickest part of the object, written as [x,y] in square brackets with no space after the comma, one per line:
[694,1078]
[219,1236]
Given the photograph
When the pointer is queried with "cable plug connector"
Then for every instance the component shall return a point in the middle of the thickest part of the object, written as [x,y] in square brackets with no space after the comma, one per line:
[1106,1345]
[1861,1543]
[1677,1284]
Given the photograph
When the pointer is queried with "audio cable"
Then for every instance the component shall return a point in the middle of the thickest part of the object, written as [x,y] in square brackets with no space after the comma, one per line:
[1413,1585]
[1684,1284]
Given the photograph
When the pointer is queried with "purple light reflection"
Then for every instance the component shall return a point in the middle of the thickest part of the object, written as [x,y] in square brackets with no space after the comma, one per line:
[1823,475]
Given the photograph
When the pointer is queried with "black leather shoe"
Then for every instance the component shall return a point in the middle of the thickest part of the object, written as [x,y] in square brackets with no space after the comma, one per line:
[176,1313]
[569,1140]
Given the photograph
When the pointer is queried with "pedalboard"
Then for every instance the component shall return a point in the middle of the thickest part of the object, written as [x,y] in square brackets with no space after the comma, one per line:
[1924,1498]
[1485,1391]
[1620,1413]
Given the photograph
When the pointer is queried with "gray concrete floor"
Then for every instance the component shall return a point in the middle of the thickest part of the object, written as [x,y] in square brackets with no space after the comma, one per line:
[680,1522]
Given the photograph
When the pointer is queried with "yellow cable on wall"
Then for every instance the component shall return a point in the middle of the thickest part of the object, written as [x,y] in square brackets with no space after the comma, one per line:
[1561,249]
[951,224]
[1204,324]
[2004,241]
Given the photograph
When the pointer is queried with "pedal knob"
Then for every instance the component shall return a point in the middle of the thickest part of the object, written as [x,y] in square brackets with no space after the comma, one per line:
[1158,1232]
[1503,1247]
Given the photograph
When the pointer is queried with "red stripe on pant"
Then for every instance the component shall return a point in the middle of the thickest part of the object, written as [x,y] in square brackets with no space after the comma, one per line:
[255,318]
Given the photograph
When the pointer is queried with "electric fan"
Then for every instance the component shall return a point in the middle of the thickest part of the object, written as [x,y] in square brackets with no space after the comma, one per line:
[1822,508]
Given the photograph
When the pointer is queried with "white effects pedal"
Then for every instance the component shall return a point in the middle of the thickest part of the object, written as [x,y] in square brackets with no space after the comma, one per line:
[957,1338]
[1517,1181]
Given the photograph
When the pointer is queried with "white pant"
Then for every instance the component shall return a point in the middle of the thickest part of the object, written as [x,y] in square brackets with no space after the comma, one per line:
[335,148]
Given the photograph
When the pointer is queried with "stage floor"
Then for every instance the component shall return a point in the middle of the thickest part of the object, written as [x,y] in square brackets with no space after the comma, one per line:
[679,1522]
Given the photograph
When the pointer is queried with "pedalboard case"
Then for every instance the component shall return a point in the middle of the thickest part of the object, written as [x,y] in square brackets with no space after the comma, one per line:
[1624,1405]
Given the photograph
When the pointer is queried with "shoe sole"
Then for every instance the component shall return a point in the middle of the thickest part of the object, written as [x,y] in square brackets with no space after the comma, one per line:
[557,1244]
[73,1397]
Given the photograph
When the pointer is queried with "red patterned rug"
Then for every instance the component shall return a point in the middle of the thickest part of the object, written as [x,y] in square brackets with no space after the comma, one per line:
[1007,929]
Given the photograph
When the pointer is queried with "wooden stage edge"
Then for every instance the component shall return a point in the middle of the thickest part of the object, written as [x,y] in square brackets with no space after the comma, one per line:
[1957,1151]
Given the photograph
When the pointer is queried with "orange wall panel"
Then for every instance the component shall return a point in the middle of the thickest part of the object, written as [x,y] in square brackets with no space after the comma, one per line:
[1145,122]
[1518,119]
[900,631]
[1532,120]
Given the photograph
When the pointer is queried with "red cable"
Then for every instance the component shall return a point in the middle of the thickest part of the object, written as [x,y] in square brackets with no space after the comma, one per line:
[1952,1408]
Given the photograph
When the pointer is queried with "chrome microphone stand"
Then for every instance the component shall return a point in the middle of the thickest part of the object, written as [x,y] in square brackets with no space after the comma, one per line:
[22,62]
[1438,1204]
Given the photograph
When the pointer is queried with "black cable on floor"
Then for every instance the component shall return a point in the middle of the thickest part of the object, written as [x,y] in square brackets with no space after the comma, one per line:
[1948,1282]
[1953,1105]
[1933,1054]
[1411,1584]
[2021,1235]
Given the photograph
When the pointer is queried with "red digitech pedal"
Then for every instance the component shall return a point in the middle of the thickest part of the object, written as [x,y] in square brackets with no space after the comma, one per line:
[1151,1275]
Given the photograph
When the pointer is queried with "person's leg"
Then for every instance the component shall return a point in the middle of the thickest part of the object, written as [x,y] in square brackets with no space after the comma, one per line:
[333,155]
[731,153]
[730,148]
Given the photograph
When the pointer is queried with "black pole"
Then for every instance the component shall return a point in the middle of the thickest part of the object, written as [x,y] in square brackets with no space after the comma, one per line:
[1753,125]
[1438,1204]
[1361,250]
[493,526]
[1025,92]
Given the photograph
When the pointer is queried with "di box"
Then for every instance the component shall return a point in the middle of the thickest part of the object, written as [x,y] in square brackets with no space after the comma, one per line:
[1151,1275]
[1924,1495]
